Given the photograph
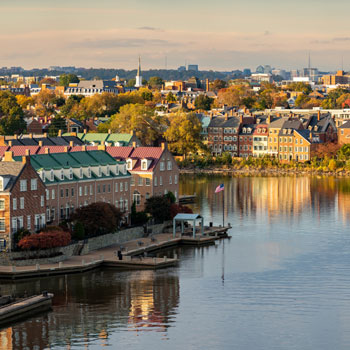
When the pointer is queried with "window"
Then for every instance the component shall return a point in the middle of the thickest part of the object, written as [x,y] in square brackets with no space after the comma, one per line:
[62,175]
[80,191]
[126,205]
[148,181]
[42,201]
[51,175]
[169,165]
[98,188]
[2,204]
[67,192]
[170,180]
[137,198]
[23,185]
[162,167]
[144,165]
[81,173]
[116,186]
[89,172]
[140,181]
[33,184]
[296,140]
[86,191]
[53,194]
[28,222]
[14,224]
[21,202]
[72,191]
[1,184]
[14,203]
[121,187]
[91,190]
[125,186]
[70,173]
[121,204]
[99,171]
[61,212]
[147,195]
[62,194]
[175,179]
[117,170]
[301,141]
[155,181]
[129,164]
[108,171]
[160,181]
[48,216]
[116,203]
[47,194]
[52,214]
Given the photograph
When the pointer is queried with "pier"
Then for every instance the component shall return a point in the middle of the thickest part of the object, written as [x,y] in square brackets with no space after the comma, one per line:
[134,255]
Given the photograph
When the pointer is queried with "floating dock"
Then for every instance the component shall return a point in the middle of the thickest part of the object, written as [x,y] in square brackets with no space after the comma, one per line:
[25,307]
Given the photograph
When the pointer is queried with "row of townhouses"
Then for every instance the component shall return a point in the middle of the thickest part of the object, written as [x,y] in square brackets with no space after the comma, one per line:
[45,188]
[286,138]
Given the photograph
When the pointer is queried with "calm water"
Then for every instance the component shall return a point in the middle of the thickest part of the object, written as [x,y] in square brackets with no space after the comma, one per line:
[281,282]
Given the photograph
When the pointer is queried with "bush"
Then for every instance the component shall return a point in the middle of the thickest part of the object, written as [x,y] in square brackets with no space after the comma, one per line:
[171,197]
[98,218]
[20,234]
[159,208]
[138,217]
[178,208]
[78,231]
[45,240]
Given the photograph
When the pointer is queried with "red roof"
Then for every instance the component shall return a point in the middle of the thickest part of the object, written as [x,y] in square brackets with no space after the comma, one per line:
[52,149]
[3,149]
[151,153]
[119,152]
[21,150]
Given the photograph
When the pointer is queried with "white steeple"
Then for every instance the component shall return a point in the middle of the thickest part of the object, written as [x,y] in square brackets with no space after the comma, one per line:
[138,82]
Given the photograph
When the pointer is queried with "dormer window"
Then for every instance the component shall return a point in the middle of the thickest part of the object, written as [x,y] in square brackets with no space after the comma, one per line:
[70,174]
[62,175]
[51,175]
[124,169]
[99,171]
[244,130]
[144,164]
[108,170]
[81,173]
[129,164]
[117,169]
[89,172]
[1,184]
[43,175]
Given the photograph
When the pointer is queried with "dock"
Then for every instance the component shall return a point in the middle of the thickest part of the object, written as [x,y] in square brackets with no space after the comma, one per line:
[25,307]
[134,255]
[187,198]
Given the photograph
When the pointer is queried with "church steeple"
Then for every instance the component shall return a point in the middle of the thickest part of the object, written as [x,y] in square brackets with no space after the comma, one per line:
[138,82]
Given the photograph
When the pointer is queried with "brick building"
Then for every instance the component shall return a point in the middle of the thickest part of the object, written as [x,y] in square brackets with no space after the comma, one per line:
[246,140]
[344,133]
[22,198]
[260,140]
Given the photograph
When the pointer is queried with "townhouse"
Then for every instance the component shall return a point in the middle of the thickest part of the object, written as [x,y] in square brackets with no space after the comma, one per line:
[246,140]
[260,140]
[344,133]
[22,199]
[274,127]
[286,138]
[305,143]
[76,179]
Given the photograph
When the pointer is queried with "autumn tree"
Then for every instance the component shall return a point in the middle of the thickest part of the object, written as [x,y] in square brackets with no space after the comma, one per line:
[48,81]
[170,97]
[203,102]
[138,118]
[57,123]
[217,84]
[25,101]
[11,115]
[235,95]
[184,133]
[155,82]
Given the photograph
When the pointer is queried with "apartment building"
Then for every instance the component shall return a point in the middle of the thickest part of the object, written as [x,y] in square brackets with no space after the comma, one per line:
[260,140]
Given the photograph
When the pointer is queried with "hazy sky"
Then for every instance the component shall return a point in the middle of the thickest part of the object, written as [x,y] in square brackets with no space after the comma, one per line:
[220,34]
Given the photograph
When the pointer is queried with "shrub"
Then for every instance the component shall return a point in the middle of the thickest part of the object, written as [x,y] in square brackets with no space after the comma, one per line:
[138,217]
[45,240]
[78,231]
[20,234]
[98,218]
[178,208]
[159,208]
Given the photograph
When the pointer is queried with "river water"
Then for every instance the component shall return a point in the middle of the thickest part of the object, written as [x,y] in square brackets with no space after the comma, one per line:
[281,282]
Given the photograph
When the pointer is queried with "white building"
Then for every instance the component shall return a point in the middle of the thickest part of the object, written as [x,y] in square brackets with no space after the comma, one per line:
[138,82]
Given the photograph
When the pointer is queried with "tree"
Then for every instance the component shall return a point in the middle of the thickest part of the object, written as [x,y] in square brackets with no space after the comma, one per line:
[45,240]
[48,81]
[131,82]
[159,208]
[184,133]
[170,97]
[217,84]
[203,102]
[235,95]
[141,119]
[78,231]
[11,115]
[25,101]
[57,123]
[300,87]
[98,218]
[138,217]
[66,79]
[155,82]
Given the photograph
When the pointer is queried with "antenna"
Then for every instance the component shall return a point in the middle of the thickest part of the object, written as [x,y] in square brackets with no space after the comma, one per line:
[309,61]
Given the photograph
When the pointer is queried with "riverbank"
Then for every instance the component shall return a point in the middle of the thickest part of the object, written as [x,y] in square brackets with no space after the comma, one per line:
[256,171]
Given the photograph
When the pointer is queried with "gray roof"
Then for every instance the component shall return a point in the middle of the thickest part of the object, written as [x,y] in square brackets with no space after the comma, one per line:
[221,122]
[346,125]
[11,170]
[278,123]
[291,124]
[184,217]
[97,84]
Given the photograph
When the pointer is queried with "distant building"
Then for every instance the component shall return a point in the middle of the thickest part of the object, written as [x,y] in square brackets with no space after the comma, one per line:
[182,69]
[247,72]
[192,67]
[92,87]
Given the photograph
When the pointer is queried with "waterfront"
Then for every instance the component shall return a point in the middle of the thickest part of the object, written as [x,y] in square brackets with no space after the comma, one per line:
[281,282]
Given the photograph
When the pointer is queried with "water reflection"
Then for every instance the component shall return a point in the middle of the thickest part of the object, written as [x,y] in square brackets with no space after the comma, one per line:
[88,308]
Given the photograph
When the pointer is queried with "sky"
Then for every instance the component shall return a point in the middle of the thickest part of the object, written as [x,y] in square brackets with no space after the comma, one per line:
[216,35]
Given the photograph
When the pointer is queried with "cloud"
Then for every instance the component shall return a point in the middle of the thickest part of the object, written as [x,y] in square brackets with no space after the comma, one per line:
[124,43]
[345,38]
[151,29]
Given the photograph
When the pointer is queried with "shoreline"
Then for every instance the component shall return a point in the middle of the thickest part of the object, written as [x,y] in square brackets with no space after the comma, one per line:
[262,172]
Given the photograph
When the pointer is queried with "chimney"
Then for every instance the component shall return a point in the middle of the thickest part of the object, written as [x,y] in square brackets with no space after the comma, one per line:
[226,116]
[47,150]
[269,119]
[164,145]
[26,159]
[207,84]
[109,131]
[27,152]
[2,140]
[8,156]
[40,143]
[73,134]
[232,112]
[16,136]
[318,115]
[45,119]
[101,147]
[241,118]
[59,133]
[45,134]
[31,135]
[71,143]
[65,149]
[310,136]
[85,131]
[134,145]
[83,148]
[10,143]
